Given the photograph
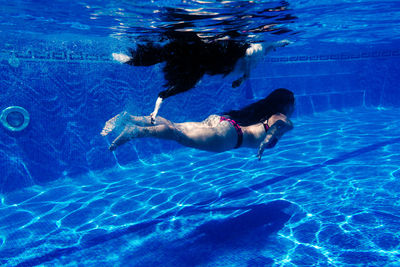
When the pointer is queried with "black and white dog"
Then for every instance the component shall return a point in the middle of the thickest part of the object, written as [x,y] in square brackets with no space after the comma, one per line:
[188,57]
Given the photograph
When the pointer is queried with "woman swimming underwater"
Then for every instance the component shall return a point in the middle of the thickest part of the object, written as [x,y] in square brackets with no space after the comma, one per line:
[258,125]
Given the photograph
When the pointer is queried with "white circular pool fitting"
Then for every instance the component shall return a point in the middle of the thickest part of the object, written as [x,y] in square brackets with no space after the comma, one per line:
[15,118]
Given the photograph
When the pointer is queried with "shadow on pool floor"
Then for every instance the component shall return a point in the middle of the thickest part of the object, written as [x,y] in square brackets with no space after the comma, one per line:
[248,231]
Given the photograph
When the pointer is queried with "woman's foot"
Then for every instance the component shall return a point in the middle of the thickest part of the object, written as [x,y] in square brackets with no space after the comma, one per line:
[129,132]
[112,123]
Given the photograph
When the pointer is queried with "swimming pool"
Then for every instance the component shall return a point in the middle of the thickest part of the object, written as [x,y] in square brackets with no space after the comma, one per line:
[324,201]
[326,195]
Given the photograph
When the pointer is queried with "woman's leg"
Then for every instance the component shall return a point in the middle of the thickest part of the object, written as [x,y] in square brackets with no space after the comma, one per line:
[190,134]
[133,131]
[146,120]
[124,118]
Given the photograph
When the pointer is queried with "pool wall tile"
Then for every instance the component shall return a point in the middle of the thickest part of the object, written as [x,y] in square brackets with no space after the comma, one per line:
[70,94]
[391,86]
[321,103]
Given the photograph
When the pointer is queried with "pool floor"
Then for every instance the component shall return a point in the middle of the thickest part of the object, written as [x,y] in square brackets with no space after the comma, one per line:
[327,194]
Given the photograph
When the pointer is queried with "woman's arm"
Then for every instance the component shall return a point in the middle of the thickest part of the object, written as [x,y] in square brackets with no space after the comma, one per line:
[275,132]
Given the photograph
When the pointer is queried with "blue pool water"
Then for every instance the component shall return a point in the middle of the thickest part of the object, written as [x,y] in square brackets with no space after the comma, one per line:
[326,195]
[322,198]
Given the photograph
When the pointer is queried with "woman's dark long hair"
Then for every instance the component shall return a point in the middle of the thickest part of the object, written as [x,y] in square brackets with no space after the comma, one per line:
[275,102]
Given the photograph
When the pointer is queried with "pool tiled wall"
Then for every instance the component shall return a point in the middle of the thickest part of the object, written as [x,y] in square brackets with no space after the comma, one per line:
[336,81]
[70,93]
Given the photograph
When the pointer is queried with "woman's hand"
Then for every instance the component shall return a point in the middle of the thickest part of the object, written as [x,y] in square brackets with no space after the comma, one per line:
[280,126]
[269,142]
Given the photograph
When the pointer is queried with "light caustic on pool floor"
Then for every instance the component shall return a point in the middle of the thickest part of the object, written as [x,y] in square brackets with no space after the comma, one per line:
[335,176]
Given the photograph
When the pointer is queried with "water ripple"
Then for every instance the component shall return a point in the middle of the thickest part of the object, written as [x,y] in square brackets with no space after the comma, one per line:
[309,200]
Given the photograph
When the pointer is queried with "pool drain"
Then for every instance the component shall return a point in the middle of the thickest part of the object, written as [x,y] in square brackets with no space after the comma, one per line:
[15,118]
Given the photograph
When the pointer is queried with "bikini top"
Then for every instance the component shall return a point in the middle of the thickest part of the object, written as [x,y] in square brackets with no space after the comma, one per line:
[273,142]
[266,126]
